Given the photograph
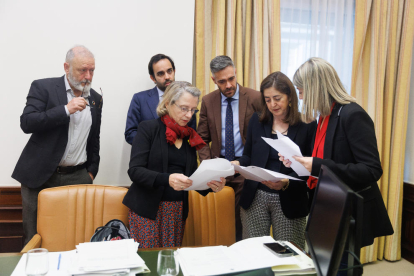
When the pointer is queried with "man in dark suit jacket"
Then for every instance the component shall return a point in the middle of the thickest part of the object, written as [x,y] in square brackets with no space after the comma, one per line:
[214,122]
[161,69]
[64,116]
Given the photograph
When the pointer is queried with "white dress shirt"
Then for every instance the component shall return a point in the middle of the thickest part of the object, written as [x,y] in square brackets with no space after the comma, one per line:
[79,127]
[160,93]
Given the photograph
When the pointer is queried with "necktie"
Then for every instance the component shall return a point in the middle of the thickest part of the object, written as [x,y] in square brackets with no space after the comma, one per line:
[229,135]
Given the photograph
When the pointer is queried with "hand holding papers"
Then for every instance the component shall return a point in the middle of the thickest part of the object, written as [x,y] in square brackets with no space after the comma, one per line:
[288,148]
[209,170]
[259,174]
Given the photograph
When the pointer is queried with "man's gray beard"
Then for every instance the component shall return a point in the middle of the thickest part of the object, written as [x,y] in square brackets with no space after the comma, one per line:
[78,84]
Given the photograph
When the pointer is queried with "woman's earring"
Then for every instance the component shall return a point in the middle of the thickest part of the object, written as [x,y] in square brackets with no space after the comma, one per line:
[290,104]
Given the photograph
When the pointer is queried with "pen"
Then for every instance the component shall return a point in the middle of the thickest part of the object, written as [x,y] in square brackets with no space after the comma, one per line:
[86,102]
[60,256]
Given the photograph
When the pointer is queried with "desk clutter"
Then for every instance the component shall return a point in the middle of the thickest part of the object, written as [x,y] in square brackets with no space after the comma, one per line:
[245,255]
[118,257]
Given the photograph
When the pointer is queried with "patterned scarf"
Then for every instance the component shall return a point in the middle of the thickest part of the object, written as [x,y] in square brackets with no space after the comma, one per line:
[175,131]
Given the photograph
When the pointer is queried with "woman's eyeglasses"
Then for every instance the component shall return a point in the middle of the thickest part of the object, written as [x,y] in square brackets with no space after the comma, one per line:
[186,110]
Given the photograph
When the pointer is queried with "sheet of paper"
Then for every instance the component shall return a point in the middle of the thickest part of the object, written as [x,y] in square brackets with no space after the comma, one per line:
[209,170]
[288,148]
[65,262]
[253,251]
[210,260]
[95,256]
[260,174]
[124,272]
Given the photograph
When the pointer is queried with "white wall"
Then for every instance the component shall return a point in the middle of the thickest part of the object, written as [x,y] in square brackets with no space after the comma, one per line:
[409,144]
[122,34]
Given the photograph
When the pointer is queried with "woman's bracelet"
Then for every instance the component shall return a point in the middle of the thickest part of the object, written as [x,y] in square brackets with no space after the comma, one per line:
[286,186]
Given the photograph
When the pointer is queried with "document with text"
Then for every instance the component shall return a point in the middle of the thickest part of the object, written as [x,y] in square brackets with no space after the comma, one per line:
[98,256]
[209,170]
[288,148]
[260,174]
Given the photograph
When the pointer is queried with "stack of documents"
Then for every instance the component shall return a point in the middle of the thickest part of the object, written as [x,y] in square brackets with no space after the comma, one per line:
[95,258]
[244,255]
[107,256]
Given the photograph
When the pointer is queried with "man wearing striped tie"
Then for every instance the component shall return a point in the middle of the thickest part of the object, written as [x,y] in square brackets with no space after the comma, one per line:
[224,116]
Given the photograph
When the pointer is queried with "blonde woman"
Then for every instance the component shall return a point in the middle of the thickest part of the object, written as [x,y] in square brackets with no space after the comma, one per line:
[345,142]
[163,155]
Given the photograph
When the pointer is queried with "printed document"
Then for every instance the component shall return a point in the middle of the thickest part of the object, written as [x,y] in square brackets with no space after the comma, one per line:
[95,256]
[209,170]
[260,174]
[288,148]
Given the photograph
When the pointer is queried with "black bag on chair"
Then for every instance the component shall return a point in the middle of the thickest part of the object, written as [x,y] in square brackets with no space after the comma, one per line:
[113,230]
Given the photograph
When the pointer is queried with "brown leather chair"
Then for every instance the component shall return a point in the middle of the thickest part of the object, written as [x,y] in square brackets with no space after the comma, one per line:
[69,215]
[210,219]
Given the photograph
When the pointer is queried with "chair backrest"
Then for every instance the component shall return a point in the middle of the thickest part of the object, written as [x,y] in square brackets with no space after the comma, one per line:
[211,219]
[69,215]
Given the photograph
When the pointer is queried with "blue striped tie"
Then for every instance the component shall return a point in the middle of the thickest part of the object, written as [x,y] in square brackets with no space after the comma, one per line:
[229,136]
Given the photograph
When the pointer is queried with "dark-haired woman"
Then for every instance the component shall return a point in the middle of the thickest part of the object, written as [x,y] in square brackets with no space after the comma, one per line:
[283,204]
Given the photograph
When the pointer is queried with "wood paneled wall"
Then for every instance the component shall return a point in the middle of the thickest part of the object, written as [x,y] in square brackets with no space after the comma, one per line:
[11,226]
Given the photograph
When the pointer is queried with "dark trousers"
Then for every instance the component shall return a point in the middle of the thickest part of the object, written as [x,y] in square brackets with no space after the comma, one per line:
[30,195]
[237,184]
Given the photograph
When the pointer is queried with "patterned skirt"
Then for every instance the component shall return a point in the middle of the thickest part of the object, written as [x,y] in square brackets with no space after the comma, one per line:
[167,230]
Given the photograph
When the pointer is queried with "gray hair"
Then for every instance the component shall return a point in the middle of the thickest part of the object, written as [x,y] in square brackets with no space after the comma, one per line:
[173,92]
[77,49]
[219,63]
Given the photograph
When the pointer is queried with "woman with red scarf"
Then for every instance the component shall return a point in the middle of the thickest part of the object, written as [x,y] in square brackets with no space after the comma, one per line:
[163,155]
[345,142]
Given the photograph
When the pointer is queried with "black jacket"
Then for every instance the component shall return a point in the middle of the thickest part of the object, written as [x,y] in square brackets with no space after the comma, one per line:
[148,169]
[294,200]
[351,152]
[45,117]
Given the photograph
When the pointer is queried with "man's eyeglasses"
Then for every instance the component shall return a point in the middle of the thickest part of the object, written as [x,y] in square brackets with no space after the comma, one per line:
[185,109]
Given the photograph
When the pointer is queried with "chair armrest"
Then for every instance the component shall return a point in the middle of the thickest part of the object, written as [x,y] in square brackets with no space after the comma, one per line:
[35,242]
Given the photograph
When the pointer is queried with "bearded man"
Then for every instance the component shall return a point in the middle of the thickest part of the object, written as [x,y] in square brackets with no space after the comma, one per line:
[63,116]
[161,70]
[224,116]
